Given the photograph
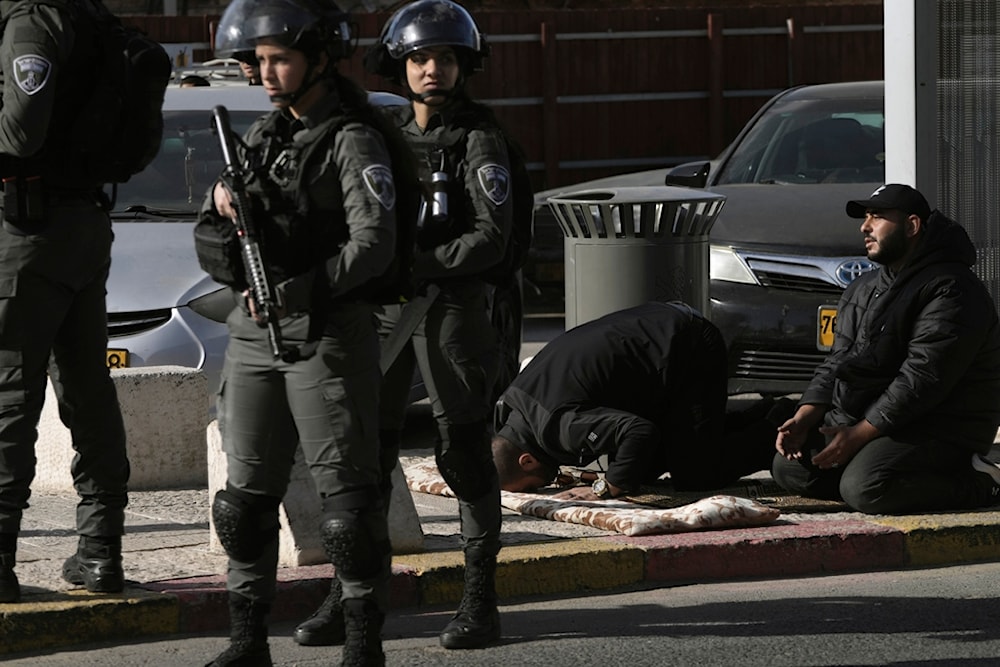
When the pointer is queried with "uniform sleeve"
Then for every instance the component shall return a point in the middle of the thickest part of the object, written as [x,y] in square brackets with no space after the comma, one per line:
[489,205]
[369,205]
[35,44]
[631,442]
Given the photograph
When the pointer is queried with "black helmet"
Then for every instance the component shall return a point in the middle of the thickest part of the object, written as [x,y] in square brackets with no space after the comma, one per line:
[307,25]
[422,24]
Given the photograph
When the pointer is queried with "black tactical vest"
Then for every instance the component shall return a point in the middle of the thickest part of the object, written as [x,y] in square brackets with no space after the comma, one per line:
[301,225]
[426,150]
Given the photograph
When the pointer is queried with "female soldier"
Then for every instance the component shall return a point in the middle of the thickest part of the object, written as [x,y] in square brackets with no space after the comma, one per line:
[322,194]
[430,47]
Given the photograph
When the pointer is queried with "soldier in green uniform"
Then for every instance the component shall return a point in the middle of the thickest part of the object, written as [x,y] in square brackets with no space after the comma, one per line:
[323,197]
[430,47]
[55,252]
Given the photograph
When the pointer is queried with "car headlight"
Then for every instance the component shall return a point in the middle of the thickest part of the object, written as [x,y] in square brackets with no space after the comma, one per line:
[724,264]
[215,306]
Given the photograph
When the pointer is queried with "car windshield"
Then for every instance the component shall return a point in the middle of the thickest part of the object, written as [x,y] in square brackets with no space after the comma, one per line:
[812,141]
[189,161]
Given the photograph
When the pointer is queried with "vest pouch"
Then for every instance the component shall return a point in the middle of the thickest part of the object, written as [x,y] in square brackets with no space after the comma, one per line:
[218,249]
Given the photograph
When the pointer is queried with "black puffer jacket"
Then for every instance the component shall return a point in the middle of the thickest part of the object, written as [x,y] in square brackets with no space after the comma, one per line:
[917,354]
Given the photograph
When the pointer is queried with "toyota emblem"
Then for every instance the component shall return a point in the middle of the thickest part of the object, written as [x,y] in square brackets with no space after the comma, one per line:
[852,268]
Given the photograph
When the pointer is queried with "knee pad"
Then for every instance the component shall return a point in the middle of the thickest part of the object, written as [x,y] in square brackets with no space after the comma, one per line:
[245,523]
[465,461]
[356,542]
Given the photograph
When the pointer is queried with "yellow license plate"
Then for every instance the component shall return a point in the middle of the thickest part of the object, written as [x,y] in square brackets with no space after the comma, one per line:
[826,320]
[117,358]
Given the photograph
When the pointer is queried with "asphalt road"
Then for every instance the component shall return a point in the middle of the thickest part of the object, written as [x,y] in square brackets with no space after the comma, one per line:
[933,617]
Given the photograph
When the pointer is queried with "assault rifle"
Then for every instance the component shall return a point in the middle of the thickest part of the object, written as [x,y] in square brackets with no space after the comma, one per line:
[262,294]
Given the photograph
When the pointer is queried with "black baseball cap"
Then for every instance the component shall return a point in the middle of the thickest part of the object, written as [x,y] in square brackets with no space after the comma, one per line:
[892,196]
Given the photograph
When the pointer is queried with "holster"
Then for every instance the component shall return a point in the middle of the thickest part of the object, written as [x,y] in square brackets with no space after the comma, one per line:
[23,204]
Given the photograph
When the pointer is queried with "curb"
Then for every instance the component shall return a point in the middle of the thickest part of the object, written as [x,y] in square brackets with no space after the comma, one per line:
[199,604]
[78,617]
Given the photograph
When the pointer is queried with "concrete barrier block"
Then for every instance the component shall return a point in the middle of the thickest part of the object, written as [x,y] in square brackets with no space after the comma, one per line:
[165,410]
[301,513]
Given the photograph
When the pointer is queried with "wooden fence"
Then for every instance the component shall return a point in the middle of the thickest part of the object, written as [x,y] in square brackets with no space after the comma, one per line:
[595,92]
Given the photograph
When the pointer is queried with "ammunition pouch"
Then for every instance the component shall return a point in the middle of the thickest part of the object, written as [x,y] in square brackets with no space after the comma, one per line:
[218,248]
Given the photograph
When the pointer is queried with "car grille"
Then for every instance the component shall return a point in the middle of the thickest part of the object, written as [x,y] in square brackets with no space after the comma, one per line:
[803,283]
[822,275]
[127,324]
[777,365]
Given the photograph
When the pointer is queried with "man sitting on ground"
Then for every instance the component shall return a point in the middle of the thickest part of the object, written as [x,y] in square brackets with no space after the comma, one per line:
[899,416]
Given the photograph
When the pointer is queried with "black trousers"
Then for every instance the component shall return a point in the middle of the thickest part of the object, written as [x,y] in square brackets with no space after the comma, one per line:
[53,324]
[702,450]
[455,348]
[889,477]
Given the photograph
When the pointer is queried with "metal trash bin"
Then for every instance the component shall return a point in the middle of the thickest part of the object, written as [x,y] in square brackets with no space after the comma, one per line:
[625,246]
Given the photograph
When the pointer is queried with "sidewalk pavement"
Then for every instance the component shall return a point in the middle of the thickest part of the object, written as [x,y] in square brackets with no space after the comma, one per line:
[176,585]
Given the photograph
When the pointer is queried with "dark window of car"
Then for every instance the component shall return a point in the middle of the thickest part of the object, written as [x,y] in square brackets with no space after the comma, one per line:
[189,161]
[812,141]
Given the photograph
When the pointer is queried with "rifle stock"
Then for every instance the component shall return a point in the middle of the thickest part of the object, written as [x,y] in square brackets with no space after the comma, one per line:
[261,291]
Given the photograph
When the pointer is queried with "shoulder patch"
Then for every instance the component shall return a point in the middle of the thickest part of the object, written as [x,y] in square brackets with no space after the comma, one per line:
[495,182]
[378,180]
[31,72]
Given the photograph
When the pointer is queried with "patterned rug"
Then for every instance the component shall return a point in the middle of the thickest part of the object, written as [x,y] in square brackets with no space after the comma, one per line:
[670,513]
[765,492]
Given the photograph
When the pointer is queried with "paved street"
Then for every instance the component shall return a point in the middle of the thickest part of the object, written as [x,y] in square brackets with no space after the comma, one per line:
[936,617]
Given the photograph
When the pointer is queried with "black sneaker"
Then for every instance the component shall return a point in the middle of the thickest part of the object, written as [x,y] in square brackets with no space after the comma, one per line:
[97,575]
[10,589]
[981,464]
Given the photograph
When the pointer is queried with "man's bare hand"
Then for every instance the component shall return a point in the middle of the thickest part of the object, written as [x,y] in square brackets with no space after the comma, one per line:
[587,493]
[793,434]
[790,439]
[844,443]
[576,493]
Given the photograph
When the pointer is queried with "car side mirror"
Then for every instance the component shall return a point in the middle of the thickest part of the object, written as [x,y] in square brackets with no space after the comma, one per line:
[688,175]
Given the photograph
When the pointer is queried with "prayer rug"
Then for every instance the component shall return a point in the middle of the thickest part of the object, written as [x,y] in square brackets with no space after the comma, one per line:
[704,512]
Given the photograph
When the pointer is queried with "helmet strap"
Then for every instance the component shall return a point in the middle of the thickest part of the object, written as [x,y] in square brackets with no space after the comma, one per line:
[423,97]
[448,95]
[308,81]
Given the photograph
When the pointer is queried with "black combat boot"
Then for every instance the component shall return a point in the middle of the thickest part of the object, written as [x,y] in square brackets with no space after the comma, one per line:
[363,643]
[326,625]
[477,622]
[96,565]
[247,635]
[10,589]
